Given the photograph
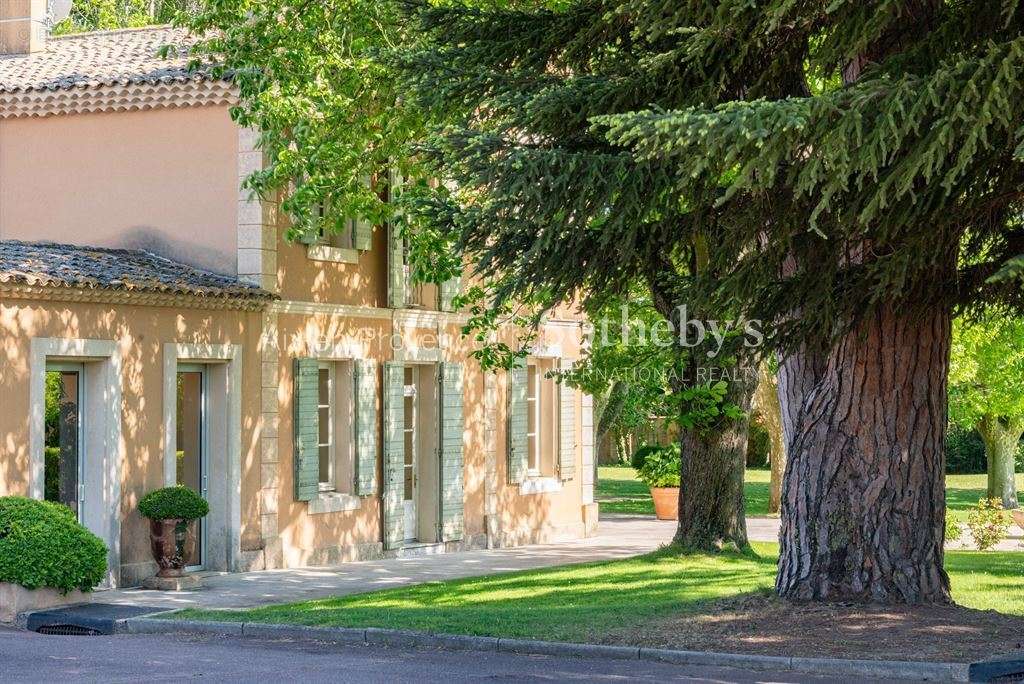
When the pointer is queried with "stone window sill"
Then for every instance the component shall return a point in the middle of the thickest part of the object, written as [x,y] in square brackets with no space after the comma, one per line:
[333,502]
[341,255]
[540,485]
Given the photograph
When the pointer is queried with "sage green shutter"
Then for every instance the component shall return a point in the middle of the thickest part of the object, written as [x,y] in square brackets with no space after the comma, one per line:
[365,393]
[305,429]
[394,455]
[396,250]
[449,289]
[362,234]
[517,423]
[451,441]
[566,427]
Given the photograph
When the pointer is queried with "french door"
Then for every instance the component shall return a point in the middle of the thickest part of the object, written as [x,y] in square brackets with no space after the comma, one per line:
[191,439]
[410,483]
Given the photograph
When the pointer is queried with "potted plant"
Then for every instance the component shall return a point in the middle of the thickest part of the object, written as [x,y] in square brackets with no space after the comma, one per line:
[169,511]
[660,472]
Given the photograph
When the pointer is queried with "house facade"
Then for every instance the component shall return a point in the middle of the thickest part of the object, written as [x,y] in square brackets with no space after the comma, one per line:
[157,328]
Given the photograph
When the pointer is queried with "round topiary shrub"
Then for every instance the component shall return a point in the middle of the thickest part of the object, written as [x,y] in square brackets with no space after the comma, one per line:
[171,503]
[43,545]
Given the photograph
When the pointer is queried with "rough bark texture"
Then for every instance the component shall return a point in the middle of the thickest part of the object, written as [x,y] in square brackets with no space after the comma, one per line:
[766,403]
[1001,438]
[863,499]
[712,514]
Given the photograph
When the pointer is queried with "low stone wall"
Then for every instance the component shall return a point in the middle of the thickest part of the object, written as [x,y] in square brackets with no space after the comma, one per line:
[15,599]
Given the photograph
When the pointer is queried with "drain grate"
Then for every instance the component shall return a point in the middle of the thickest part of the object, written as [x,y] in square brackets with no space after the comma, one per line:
[68,630]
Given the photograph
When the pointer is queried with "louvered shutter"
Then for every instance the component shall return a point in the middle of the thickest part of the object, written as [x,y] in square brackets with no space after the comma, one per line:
[362,234]
[449,290]
[365,393]
[394,455]
[451,440]
[305,429]
[566,427]
[517,423]
[397,295]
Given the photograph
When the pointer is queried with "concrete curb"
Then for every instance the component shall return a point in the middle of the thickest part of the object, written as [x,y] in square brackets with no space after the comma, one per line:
[372,636]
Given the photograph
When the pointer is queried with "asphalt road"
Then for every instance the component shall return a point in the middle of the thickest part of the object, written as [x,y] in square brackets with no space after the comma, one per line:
[29,657]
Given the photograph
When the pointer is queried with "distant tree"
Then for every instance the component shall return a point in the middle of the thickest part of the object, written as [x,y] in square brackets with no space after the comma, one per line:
[102,15]
[987,393]
[766,404]
[625,370]
[544,204]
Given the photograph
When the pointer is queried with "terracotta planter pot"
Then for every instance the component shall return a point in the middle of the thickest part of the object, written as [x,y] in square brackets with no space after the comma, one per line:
[666,502]
[171,545]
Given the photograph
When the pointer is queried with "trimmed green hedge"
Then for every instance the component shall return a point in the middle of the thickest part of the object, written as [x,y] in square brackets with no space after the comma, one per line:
[42,545]
[173,502]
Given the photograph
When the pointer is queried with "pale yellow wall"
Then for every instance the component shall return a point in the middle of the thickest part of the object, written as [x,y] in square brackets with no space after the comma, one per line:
[304,535]
[140,333]
[164,180]
[303,279]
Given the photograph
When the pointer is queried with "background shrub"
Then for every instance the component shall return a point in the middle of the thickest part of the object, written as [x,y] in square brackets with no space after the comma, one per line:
[661,467]
[42,545]
[953,532]
[173,502]
[758,444]
[965,452]
[988,523]
[640,455]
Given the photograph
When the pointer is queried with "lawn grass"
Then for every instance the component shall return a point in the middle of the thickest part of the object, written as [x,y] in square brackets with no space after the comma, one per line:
[618,491]
[587,602]
[963,492]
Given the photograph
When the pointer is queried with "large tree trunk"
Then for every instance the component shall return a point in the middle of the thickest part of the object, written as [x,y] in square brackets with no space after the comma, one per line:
[712,514]
[1002,439]
[766,402]
[863,498]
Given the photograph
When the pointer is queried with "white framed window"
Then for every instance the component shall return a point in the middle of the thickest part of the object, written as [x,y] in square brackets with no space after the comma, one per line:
[336,448]
[325,421]
[342,239]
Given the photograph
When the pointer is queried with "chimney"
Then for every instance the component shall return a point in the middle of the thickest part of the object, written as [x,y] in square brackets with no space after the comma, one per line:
[23,26]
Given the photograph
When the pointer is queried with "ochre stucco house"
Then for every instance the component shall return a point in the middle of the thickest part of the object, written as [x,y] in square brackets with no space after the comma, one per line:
[156,328]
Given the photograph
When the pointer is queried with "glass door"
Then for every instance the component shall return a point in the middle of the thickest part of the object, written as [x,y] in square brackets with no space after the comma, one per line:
[190,450]
[64,463]
[409,431]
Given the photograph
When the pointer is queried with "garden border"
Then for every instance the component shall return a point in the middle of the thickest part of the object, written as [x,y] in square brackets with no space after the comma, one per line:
[372,636]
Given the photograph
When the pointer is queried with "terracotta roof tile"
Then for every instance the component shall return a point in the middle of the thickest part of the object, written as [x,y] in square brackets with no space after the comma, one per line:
[102,58]
[49,264]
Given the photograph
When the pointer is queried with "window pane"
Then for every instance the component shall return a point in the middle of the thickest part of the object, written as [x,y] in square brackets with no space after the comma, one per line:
[324,386]
[189,446]
[325,463]
[62,416]
[324,420]
[408,483]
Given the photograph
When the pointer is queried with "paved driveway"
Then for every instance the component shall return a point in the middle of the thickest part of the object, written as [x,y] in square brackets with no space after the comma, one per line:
[617,538]
[29,657]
